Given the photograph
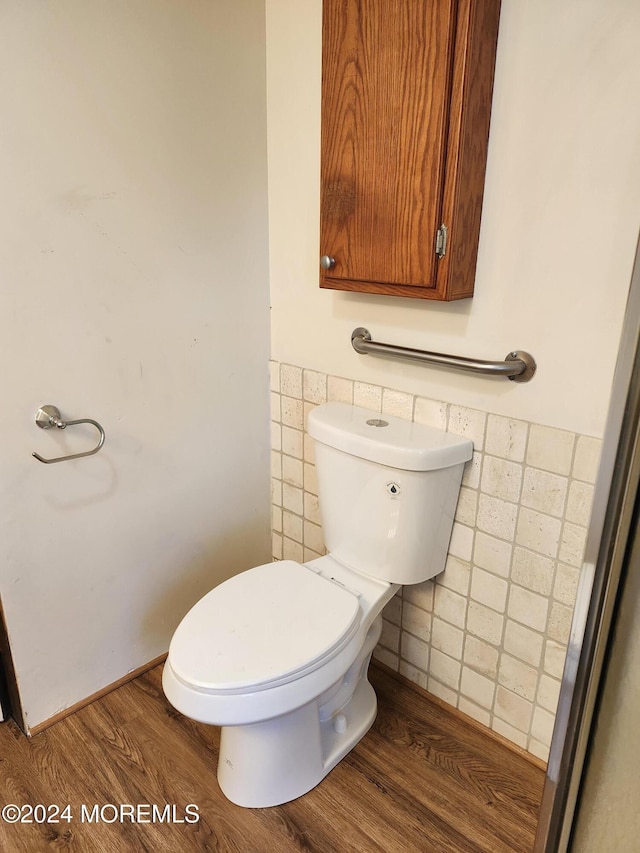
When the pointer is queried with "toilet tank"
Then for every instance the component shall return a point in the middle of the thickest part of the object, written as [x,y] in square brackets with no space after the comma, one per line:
[388,490]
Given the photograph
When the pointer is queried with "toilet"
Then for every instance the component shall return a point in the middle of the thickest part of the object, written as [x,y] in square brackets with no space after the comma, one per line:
[278,655]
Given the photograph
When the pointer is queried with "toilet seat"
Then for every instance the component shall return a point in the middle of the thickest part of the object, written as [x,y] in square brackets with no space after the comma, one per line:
[262,628]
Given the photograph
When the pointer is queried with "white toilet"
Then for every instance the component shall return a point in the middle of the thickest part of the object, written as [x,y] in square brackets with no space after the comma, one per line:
[278,655]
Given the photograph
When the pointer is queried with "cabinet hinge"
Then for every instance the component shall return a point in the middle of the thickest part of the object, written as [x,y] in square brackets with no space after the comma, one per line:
[441,240]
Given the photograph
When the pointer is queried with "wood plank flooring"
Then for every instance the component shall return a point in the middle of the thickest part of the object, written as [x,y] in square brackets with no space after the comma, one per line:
[422,780]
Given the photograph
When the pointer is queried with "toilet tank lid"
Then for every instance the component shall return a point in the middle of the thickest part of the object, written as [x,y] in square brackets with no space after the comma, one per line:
[386,439]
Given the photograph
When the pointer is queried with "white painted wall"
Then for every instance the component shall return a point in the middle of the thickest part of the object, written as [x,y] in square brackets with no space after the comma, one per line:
[560,222]
[134,290]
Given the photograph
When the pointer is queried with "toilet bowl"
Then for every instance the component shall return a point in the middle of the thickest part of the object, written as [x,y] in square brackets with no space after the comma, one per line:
[278,655]
[288,645]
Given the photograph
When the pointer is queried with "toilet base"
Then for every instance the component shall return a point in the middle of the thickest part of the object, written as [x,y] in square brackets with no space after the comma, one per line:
[270,763]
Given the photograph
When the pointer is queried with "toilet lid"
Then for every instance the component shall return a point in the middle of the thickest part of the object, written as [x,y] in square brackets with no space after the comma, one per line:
[262,627]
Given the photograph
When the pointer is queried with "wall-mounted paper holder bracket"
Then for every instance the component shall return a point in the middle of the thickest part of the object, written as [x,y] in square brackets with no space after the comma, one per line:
[48,417]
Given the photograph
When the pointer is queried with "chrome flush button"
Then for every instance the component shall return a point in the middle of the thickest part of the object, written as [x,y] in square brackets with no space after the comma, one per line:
[377,422]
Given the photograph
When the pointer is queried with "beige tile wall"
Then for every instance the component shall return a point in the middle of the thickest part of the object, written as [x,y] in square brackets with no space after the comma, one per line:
[489,634]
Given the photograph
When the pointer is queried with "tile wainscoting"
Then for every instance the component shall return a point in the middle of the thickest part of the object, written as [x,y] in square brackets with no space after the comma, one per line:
[488,635]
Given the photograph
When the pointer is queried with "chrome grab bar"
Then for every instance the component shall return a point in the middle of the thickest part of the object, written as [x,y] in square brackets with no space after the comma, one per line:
[519,366]
[48,417]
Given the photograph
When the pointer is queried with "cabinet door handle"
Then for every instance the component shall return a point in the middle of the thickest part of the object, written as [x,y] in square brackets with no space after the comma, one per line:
[327,262]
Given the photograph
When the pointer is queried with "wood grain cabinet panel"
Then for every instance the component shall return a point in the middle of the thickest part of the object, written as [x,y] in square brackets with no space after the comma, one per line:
[406,102]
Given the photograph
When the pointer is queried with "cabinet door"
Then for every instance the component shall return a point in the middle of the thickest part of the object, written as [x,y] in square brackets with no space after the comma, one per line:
[406,104]
[387,67]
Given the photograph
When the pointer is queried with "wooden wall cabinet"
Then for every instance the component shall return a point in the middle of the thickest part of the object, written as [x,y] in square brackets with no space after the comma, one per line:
[406,103]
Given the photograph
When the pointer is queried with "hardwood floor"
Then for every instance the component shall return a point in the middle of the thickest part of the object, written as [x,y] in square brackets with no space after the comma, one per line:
[423,779]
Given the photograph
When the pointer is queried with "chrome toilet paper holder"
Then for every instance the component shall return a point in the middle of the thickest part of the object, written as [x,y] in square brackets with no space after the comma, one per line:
[48,417]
